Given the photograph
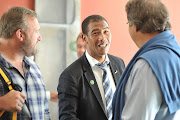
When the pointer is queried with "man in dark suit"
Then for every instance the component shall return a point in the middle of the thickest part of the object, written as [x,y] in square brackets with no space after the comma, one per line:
[80,90]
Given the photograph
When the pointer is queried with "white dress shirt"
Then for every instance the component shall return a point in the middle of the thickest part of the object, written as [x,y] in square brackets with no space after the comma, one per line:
[98,73]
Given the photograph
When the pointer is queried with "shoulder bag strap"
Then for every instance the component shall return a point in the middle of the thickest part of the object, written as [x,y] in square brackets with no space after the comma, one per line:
[10,88]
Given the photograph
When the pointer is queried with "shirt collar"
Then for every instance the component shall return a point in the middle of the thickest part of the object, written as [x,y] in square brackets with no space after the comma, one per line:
[5,62]
[9,65]
[92,61]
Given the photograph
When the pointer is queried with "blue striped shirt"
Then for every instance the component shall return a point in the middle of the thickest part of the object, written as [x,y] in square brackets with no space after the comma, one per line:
[32,86]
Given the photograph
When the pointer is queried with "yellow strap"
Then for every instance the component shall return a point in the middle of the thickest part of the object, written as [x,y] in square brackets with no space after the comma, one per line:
[6,79]
[1,113]
[11,89]
[14,115]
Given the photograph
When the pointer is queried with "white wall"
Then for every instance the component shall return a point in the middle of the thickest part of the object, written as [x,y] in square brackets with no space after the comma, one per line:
[60,25]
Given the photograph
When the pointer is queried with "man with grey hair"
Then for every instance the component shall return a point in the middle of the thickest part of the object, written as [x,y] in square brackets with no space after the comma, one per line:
[19,34]
[149,88]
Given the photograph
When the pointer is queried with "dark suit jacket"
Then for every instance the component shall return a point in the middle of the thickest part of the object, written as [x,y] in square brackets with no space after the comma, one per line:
[78,99]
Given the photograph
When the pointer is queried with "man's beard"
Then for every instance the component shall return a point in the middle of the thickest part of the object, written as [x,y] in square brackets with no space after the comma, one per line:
[28,49]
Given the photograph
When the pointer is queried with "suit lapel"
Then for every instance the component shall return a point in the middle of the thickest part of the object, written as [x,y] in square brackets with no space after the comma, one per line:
[92,81]
[114,70]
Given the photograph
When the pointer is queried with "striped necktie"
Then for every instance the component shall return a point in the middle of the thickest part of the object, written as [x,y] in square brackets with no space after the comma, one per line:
[107,90]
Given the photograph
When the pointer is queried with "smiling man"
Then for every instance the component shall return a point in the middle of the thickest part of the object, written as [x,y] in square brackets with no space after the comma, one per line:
[83,86]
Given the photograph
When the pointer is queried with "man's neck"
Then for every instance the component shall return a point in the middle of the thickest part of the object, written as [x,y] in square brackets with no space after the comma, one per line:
[144,37]
[11,54]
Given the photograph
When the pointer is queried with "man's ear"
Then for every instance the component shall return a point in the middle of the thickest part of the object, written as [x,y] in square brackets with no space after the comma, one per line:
[20,34]
[84,38]
[135,27]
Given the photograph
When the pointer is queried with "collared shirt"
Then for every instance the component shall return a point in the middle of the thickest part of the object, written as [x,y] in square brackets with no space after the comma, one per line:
[98,73]
[143,96]
[32,86]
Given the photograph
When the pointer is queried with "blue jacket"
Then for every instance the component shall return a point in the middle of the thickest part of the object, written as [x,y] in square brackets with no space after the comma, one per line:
[162,53]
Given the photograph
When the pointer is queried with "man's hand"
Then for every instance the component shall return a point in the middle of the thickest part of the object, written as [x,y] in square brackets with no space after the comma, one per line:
[54,96]
[12,101]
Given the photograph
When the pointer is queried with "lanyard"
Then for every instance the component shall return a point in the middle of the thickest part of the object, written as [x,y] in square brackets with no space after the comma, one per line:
[11,89]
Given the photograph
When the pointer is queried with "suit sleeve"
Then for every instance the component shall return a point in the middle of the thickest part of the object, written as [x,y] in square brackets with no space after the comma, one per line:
[68,96]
